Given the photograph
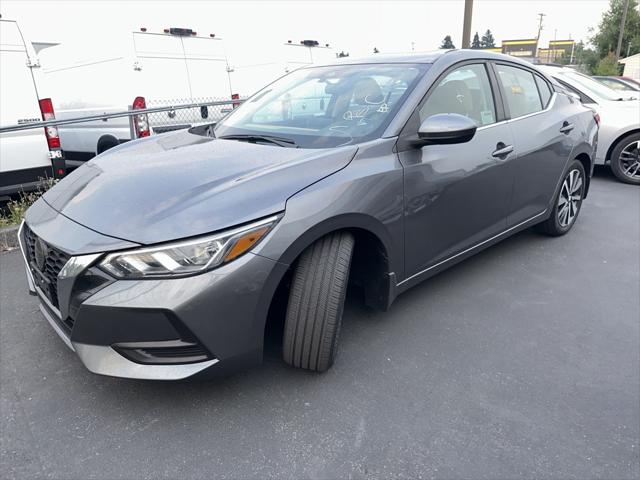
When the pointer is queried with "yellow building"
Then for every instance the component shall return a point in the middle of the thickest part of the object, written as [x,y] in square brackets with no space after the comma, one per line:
[520,48]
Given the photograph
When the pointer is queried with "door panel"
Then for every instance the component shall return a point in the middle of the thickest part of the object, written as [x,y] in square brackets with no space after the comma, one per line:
[542,154]
[456,196]
[544,131]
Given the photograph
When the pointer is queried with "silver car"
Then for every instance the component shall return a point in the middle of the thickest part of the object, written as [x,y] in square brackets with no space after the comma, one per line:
[619,112]
[165,258]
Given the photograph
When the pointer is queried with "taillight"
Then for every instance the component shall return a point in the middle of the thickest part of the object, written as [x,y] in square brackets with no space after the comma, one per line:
[235,96]
[46,108]
[596,117]
[140,122]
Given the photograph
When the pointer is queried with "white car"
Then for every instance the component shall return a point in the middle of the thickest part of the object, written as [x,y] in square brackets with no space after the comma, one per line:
[619,135]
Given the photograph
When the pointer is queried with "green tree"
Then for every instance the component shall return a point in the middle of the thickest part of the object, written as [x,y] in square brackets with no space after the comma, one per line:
[447,43]
[476,41]
[586,58]
[375,50]
[605,38]
[607,65]
[487,40]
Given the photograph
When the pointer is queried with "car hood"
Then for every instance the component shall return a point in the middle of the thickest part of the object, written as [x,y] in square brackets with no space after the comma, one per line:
[180,185]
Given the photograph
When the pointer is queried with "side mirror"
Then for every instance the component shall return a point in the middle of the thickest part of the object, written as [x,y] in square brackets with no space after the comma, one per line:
[444,128]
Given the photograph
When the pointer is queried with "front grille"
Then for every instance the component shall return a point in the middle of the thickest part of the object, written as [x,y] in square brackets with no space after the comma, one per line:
[45,275]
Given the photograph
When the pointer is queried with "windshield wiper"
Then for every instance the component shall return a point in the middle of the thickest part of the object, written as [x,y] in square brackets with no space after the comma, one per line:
[281,142]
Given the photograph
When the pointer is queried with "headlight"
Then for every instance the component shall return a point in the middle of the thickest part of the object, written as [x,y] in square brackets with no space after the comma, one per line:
[187,257]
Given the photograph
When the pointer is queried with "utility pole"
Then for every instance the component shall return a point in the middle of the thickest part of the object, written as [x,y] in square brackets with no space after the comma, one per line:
[621,34]
[541,15]
[466,25]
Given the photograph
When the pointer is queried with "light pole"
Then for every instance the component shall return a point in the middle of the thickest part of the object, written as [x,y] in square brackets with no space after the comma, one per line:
[621,34]
[466,25]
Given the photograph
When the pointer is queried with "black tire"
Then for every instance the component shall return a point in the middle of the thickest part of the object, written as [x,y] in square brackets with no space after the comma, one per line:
[558,224]
[316,302]
[625,159]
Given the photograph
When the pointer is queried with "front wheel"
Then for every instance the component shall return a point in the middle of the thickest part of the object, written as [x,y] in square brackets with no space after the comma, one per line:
[625,159]
[566,205]
[316,301]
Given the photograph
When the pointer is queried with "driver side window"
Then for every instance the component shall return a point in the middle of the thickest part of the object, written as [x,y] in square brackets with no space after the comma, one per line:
[465,91]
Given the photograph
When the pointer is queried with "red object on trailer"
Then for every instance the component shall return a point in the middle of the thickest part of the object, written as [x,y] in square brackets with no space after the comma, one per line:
[58,163]
[140,122]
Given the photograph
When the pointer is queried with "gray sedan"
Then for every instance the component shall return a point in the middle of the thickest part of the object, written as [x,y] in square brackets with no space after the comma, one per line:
[169,257]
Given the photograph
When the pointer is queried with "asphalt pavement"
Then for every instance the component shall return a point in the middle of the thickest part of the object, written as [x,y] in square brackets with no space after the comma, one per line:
[522,362]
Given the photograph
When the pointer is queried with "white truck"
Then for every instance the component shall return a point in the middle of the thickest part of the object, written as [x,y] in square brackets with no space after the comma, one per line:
[153,69]
[26,156]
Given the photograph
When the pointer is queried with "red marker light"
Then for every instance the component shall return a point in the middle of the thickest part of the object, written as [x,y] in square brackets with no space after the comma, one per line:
[141,122]
[46,108]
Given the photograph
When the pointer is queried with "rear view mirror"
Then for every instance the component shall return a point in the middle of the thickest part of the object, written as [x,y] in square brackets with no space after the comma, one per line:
[444,128]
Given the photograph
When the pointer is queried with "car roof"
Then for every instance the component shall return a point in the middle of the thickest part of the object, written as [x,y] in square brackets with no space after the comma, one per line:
[425,57]
[420,57]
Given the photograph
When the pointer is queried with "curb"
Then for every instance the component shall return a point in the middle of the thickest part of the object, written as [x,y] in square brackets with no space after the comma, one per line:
[8,238]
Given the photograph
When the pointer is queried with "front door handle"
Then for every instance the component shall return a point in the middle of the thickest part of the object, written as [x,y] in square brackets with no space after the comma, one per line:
[566,127]
[502,150]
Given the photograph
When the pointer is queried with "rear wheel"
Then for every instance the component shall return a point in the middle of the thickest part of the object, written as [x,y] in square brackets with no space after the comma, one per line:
[316,302]
[567,202]
[625,159]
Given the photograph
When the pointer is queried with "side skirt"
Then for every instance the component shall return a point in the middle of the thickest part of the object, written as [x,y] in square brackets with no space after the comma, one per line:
[419,277]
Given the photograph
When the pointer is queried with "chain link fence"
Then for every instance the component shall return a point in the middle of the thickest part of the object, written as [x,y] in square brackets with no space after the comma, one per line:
[177,118]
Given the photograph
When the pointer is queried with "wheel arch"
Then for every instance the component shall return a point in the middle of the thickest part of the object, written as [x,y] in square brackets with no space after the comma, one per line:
[371,268]
[618,139]
[105,142]
[587,163]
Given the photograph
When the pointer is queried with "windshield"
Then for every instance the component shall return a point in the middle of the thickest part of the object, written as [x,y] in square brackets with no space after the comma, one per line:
[326,106]
[592,87]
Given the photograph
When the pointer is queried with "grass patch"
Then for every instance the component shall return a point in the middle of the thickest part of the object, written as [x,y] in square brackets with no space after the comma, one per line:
[15,209]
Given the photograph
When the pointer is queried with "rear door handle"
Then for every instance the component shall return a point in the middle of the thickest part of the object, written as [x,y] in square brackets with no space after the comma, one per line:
[502,150]
[566,127]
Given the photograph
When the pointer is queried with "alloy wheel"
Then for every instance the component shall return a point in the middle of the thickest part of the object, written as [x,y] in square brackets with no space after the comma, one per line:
[630,160]
[570,198]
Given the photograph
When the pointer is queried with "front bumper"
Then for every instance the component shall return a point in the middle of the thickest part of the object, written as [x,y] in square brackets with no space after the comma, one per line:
[130,328]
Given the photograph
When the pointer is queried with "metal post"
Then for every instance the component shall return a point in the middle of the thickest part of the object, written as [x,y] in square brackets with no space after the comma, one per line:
[541,15]
[132,128]
[466,26]
[621,34]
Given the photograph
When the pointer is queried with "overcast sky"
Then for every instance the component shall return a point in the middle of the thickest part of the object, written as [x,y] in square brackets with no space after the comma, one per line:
[252,31]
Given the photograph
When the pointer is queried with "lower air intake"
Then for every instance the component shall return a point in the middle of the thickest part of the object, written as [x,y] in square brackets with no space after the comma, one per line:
[170,352]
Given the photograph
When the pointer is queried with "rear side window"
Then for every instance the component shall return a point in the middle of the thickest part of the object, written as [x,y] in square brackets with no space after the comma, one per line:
[545,91]
[519,90]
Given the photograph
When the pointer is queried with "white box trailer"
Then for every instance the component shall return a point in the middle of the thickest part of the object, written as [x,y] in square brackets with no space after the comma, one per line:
[26,156]
[172,67]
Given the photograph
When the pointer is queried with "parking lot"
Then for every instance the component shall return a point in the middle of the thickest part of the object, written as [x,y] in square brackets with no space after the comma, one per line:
[523,361]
